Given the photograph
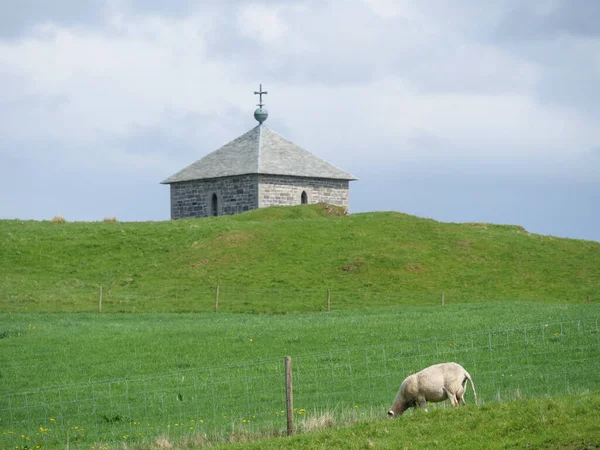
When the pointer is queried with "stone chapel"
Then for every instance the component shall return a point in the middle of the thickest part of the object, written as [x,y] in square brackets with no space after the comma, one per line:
[258,169]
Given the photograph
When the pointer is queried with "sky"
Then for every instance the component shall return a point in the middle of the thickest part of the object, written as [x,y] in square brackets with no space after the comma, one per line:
[459,111]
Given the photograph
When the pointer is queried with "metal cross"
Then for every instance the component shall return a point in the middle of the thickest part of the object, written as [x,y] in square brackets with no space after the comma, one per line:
[260,94]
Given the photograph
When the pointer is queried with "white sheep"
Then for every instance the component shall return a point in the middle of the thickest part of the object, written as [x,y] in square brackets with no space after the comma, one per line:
[433,384]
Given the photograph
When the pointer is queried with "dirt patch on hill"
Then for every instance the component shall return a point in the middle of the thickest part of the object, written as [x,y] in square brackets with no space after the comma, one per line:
[354,265]
[477,224]
[332,210]
[202,262]
[415,268]
[235,237]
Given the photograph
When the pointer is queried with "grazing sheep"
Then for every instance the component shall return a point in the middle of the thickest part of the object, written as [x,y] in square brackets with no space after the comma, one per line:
[433,384]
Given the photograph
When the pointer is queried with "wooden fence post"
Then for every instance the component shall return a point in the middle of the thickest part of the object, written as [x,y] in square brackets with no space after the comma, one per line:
[217,299]
[442,299]
[328,300]
[100,301]
[289,400]
[588,299]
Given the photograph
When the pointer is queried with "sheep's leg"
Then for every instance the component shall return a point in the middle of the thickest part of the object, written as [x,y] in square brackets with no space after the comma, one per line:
[456,401]
[422,403]
[460,396]
[451,397]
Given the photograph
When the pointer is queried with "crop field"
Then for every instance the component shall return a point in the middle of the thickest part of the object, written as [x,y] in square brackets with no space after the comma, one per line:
[104,380]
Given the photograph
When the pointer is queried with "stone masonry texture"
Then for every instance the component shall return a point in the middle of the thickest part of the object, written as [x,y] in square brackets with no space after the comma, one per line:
[237,194]
[276,190]
[194,198]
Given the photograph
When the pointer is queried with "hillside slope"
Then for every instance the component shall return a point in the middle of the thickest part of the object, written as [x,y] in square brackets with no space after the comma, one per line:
[562,422]
[290,254]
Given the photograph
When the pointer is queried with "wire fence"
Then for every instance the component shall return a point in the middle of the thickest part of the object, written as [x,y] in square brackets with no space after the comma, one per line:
[84,297]
[506,364]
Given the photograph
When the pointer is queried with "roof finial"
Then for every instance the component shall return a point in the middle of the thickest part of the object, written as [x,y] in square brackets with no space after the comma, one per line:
[260,114]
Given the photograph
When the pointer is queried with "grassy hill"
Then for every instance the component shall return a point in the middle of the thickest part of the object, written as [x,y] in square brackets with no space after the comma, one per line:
[562,422]
[284,259]
[133,380]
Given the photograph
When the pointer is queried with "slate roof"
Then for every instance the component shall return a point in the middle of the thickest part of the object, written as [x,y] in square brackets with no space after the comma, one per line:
[261,151]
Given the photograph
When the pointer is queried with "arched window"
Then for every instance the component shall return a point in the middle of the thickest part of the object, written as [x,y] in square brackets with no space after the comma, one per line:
[215,205]
[304,198]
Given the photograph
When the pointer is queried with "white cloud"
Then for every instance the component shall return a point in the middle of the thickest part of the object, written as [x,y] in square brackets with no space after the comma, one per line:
[257,21]
[371,84]
[388,9]
[108,83]
[89,84]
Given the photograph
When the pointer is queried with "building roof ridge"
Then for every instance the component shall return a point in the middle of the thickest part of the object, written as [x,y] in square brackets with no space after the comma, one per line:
[259,146]
[259,151]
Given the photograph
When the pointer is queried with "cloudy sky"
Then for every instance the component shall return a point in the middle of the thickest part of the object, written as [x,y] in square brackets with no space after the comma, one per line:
[456,110]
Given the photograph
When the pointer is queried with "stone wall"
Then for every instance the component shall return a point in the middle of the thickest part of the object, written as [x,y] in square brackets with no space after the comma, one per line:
[245,192]
[194,198]
[275,190]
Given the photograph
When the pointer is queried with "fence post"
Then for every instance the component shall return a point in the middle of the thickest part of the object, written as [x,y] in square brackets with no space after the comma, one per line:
[289,400]
[442,299]
[588,299]
[217,299]
[100,301]
[329,300]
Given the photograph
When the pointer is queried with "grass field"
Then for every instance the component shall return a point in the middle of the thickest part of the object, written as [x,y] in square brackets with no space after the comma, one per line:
[158,367]
[562,423]
[284,260]
[131,378]
[76,348]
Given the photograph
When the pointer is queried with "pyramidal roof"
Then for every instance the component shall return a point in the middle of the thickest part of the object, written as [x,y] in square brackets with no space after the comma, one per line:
[259,151]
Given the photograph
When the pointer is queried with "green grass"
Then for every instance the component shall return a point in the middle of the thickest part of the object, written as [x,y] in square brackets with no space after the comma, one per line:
[515,316]
[284,260]
[569,422]
[77,348]
[133,378]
